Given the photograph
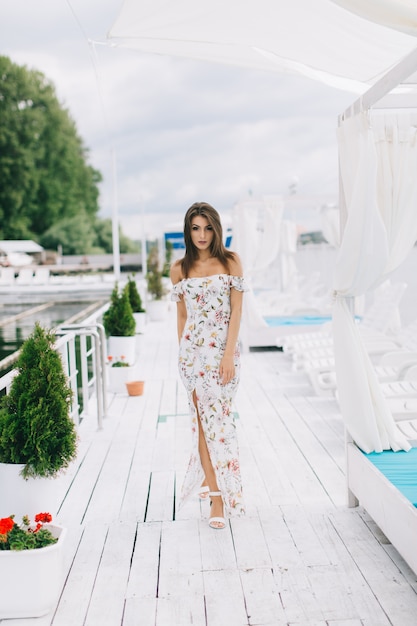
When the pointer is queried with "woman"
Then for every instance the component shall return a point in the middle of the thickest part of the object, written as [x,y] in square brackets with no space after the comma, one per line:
[208,286]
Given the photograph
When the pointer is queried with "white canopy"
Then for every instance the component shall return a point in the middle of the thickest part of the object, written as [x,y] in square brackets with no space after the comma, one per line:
[363,46]
[348,44]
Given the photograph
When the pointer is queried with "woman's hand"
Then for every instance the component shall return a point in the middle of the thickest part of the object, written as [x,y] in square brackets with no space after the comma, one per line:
[226,369]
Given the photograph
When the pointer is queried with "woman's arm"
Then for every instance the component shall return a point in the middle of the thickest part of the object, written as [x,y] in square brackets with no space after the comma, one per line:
[227,366]
[181,318]
[175,275]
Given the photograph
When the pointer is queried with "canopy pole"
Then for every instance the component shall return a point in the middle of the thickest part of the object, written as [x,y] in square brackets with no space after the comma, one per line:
[391,79]
[115,221]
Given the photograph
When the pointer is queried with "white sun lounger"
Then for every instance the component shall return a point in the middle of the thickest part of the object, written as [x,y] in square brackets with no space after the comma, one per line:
[395,515]
[378,320]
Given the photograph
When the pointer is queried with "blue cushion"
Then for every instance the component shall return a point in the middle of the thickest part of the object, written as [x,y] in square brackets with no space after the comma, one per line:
[400,468]
[296,320]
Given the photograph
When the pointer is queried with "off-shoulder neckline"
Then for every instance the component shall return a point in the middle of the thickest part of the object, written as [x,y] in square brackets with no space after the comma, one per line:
[209,276]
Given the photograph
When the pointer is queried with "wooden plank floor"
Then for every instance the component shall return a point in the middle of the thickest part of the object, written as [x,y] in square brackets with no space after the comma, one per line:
[299,557]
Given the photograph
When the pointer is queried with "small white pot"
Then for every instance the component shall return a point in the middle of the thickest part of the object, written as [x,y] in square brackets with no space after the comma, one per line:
[118,377]
[118,347]
[21,497]
[31,580]
[157,310]
[140,319]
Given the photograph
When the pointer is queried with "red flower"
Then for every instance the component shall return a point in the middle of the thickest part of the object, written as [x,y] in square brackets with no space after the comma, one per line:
[43,517]
[6,524]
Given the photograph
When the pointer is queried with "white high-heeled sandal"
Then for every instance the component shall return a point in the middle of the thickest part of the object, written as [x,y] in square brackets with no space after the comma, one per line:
[216,520]
[203,492]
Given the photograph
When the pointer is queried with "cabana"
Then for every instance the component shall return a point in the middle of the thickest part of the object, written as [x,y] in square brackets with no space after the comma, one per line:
[368,47]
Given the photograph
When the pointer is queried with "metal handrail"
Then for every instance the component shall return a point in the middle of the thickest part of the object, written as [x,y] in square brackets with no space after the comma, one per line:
[95,330]
[95,355]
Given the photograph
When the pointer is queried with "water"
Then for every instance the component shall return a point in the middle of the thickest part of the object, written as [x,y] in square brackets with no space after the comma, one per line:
[309,259]
[13,334]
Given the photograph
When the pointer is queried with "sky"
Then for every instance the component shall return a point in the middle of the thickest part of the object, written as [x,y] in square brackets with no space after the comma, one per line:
[166,132]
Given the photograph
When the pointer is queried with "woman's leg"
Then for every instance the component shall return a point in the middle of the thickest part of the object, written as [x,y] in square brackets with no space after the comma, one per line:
[210,476]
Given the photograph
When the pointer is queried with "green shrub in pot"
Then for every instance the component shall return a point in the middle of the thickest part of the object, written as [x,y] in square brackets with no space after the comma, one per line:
[118,320]
[36,428]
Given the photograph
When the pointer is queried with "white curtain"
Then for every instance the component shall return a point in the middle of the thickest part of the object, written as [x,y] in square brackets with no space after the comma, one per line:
[257,232]
[289,274]
[378,165]
[256,238]
[330,225]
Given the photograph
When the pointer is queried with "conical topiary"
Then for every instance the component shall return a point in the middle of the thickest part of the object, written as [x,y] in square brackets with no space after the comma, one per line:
[134,295]
[36,428]
[154,275]
[118,320]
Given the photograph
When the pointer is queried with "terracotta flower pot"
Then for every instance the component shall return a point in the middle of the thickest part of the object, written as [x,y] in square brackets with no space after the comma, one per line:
[135,387]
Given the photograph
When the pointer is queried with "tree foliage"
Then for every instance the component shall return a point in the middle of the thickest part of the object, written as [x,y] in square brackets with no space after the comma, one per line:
[134,295]
[35,424]
[103,232]
[44,173]
[118,320]
[82,235]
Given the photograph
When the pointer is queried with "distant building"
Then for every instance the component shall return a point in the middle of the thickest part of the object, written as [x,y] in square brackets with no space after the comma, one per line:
[315,236]
[19,252]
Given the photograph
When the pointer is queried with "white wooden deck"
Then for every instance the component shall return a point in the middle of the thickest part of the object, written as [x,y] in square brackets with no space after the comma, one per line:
[299,557]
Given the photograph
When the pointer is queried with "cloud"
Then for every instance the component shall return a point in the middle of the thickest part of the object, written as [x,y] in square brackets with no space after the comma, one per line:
[179,130]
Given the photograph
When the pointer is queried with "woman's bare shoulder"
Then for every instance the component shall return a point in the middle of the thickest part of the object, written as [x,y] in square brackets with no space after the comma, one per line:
[235,265]
[176,272]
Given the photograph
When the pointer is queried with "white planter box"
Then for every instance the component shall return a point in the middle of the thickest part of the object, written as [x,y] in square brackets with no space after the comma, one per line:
[21,497]
[118,347]
[31,580]
[140,319]
[118,377]
[157,310]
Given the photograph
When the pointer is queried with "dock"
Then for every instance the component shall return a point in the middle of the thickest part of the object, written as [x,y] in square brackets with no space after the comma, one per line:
[299,557]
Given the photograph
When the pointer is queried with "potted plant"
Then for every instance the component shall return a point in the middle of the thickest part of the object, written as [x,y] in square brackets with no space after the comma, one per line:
[120,372]
[135,387]
[168,259]
[156,290]
[120,326]
[26,550]
[38,438]
[135,300]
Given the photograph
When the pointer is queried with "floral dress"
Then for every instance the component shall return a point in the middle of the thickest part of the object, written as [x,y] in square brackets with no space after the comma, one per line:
[201,349]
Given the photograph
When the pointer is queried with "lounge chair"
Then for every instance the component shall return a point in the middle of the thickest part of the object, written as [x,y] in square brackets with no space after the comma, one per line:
[379,325]
[385,484]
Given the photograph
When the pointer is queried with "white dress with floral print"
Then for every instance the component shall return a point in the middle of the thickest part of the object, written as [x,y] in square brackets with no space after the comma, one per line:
[201,349]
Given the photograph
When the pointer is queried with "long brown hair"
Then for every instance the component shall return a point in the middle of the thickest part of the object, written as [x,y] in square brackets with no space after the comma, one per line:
[217,248]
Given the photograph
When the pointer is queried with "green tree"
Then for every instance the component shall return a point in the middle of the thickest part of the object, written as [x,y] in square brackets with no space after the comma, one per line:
[84,235]
[44,173]
[103,230]
[35,424]
[118,320]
